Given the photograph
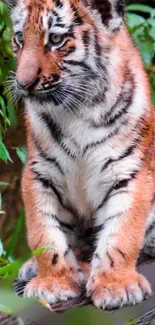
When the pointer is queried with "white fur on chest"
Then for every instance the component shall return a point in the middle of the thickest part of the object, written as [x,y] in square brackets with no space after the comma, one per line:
[83,185]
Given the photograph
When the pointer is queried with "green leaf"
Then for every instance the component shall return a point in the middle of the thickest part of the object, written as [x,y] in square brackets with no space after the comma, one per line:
[5,309]
[3,106]
[10,268]
[4,154]
[132,322]
[4,184]
[151,22]
[15,237]
[134,20]
[1,248]
[1,130]
[1,212]
[153,96]
[147,51]
[139,7]
[12,115]
[22,154]
[1,8]
[153,13]
[42,249]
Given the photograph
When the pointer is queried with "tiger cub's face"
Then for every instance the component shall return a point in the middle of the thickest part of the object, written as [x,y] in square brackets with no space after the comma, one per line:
[62,49]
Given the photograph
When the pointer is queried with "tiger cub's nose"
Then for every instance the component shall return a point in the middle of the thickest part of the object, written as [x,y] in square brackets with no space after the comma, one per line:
[26,83]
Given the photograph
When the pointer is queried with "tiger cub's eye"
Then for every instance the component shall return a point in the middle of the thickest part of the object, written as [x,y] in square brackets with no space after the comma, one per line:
[19,37]
[56,38]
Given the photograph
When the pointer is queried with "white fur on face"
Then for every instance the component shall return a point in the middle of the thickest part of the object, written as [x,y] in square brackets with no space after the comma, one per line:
[18,16]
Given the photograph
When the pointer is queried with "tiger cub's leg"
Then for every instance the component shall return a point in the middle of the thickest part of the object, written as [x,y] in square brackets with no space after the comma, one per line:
[113,280]
[59,275]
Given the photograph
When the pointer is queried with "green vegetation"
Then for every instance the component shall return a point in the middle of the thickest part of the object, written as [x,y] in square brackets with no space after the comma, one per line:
[132,322]
[141,24]
[143,33]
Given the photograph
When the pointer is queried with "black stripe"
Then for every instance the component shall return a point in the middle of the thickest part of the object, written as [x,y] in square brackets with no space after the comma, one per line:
[110,112]
[71,50]
[59,25]
[14,40]
[92,231]
[53,161]
[53,127]
[123,98]
[120,252]
[120,7]
[98,51]
[119,185]
[150,229]
[86,39]
[66,70]
[50,22]
[92,145]
[78,63]
[19,287]
[48,183]
[44,155]
[58,3]
[61,223]
[66,225]
[33,163]
[104,8]
[110,259]
[105,117]
[119,114]
[16,22]
[56,15]
[68,151]
[127,153]
[55,259]
[97,99]
[84,66]
[56,134]
[67,251]
[97,256]
[77,19]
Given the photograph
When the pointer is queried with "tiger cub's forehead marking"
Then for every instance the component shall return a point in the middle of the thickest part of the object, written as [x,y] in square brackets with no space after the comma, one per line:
[52,22]
[61,16]
[57,17]
[18,16]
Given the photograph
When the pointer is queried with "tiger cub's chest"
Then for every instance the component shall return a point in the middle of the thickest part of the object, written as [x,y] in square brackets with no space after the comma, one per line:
[83,188]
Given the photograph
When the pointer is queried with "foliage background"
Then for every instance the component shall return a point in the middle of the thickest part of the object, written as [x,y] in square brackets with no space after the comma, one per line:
[13,248]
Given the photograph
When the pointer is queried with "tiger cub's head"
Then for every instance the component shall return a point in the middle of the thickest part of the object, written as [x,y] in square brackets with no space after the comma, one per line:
[62,48]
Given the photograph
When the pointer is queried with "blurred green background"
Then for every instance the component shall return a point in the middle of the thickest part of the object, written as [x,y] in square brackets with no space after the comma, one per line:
[13,247]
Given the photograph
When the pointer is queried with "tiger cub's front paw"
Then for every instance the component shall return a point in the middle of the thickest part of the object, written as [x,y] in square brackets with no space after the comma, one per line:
[54,289]
[113,291]
[28,270]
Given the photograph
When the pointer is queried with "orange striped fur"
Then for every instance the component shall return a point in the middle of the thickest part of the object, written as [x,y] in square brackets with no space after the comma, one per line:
[88,185]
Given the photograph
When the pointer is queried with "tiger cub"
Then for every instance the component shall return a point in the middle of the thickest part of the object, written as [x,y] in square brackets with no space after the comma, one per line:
[89,181]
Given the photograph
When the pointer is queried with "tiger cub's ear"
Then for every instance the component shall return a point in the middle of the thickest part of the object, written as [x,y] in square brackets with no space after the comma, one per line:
[111,11]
